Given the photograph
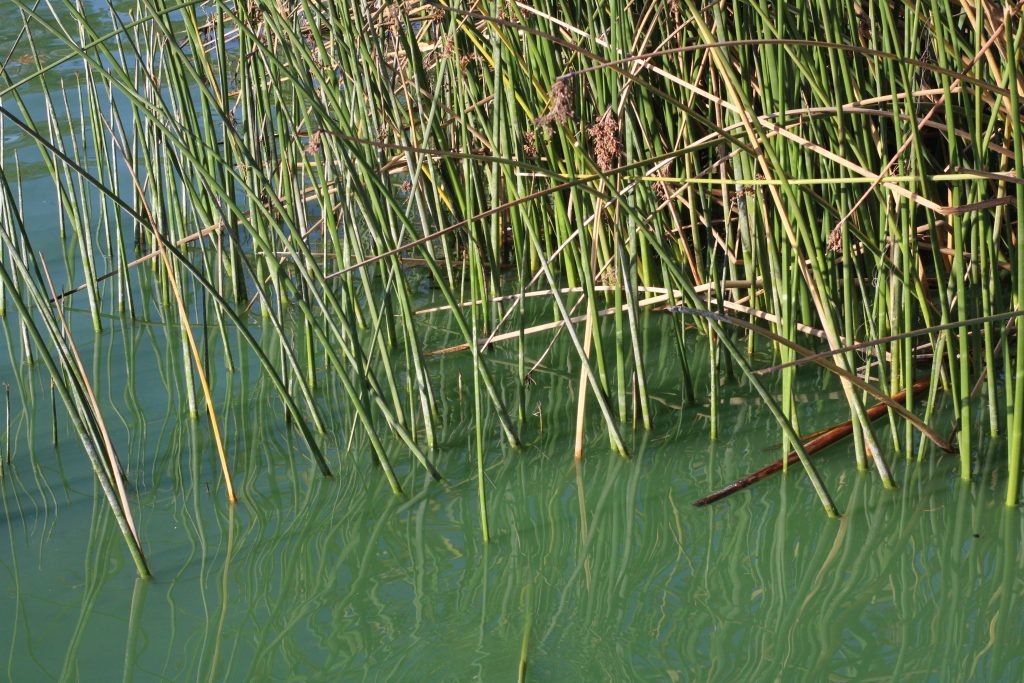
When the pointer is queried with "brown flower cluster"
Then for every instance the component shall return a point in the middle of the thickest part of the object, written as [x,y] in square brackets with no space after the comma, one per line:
[560,108]
[834,244]
[313,147]
[530,144]
[605,136]
[662,190]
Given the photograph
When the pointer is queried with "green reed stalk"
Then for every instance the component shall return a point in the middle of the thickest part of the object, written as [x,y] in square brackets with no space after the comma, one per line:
[478,429]
[70,392]
[1015,438]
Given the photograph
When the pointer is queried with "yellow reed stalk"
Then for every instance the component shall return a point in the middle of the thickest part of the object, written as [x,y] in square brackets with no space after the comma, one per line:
[207,397]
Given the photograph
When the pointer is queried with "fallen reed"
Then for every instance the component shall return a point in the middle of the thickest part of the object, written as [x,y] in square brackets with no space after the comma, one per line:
[851,174]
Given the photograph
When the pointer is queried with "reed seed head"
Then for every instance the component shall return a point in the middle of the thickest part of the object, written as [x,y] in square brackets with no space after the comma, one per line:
[560,104]
[604,134]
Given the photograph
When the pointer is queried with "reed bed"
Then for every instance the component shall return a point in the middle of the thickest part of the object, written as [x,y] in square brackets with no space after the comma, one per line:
[835,182]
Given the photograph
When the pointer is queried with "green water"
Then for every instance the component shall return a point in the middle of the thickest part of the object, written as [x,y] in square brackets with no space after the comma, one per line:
[602,571]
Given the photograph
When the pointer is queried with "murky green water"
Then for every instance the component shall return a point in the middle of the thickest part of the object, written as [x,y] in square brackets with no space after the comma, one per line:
[602,572]
[599,572]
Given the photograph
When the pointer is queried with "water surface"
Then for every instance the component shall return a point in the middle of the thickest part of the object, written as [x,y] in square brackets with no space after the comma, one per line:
[605,571]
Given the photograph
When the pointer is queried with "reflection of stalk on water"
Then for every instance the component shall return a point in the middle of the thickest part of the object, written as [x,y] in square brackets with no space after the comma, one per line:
[219,631]
[134,628]
[584,550]
[843,589]
[199,544]
[290,610]
[12,618]
[97,573]
[524,646]
[5,454]
[5,457]
[581,497]
[1005,650]
[135,422]
[485,585]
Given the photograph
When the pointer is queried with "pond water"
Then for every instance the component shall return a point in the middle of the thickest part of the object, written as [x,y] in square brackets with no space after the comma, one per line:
[596,571]
[602,571]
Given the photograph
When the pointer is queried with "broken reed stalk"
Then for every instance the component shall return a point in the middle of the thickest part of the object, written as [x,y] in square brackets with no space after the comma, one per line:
[824,439]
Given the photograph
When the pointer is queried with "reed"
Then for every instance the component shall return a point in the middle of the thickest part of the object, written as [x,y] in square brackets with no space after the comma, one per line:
[569,170]
[6,460]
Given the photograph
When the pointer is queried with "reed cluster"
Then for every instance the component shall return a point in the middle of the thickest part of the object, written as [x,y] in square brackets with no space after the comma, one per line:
[837,182]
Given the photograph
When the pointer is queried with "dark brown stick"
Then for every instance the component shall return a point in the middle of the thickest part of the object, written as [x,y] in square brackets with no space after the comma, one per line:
[826,438]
